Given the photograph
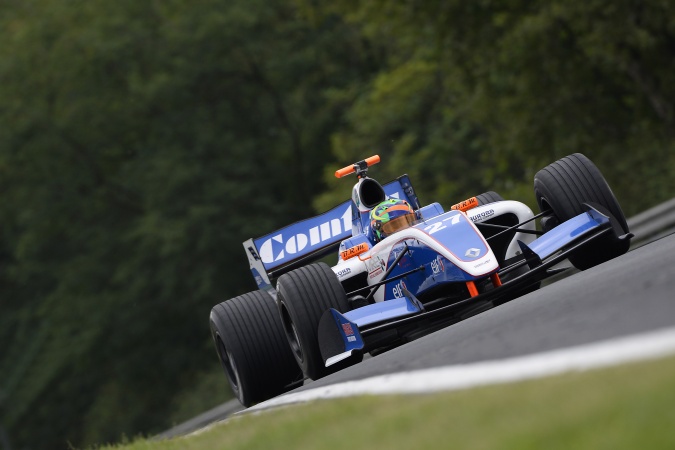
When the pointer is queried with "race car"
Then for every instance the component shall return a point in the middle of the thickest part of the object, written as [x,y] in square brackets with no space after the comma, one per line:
[402,271]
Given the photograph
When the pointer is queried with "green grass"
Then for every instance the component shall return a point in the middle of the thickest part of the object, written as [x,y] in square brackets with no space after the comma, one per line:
[626,407]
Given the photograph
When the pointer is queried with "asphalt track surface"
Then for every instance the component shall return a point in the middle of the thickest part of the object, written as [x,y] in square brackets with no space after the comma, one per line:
[632,294]
[629,295]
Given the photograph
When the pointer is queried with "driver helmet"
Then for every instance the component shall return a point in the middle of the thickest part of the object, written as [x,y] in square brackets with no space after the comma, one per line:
[389,217]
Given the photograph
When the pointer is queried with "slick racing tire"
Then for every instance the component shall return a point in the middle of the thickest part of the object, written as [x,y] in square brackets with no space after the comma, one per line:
[563,187]
[302,297]
[252,348]
[488,197]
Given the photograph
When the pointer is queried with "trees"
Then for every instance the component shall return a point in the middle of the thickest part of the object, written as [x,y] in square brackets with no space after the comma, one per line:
[143,142]
[482,94]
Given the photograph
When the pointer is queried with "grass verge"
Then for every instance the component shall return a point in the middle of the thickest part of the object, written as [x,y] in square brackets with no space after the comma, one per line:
[625,407]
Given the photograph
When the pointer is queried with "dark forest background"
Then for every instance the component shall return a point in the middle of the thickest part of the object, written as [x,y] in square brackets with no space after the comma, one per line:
[142,142]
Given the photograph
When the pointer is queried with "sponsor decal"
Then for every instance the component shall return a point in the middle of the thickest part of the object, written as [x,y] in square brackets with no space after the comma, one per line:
[344,272]
[278,247]
[253,253]
[347,329]
[465,205]
[375,266]
[398,289]
[259,280]
[482,216]
[487,261]
[351,338]
[353,251]
[472,252]
[405,261]
[437,265]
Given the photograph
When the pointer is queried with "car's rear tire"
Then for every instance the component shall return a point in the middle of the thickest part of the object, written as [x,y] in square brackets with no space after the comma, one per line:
[488,197]
[302,296]
[563,187]
[252,348]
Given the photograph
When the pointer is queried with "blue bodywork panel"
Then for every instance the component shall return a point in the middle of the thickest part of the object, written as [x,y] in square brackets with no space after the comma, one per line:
[378,312]
[349,331]
[431,211]
[453,231]
[566,232]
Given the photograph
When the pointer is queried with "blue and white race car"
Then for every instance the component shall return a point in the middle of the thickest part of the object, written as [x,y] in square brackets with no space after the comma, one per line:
[403,270]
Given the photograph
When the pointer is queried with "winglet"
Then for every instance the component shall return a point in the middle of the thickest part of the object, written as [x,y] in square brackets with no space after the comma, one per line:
[339,338]
[533,260]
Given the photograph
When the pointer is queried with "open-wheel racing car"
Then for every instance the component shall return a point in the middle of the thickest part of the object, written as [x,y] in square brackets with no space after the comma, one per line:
[403,270]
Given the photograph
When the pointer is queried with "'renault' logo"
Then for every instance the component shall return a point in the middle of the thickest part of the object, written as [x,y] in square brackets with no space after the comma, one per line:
[472,252]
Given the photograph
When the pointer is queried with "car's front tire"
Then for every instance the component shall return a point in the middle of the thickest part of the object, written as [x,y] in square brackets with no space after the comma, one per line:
[563,187]
[302,297]
[252,348]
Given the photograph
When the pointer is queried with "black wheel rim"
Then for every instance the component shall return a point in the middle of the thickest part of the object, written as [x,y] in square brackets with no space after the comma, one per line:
[291,333]
[228,364]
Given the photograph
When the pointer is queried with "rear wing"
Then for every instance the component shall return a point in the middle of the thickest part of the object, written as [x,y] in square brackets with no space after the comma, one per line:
[308,240]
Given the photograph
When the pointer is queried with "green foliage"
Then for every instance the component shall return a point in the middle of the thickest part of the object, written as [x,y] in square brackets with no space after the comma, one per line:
[512,86]
[623,407]
[142,142]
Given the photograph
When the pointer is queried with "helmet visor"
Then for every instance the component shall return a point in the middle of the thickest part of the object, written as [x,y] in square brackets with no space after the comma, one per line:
[398,224]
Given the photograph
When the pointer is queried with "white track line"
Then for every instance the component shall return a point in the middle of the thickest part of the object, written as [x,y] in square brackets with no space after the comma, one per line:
[613,352]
